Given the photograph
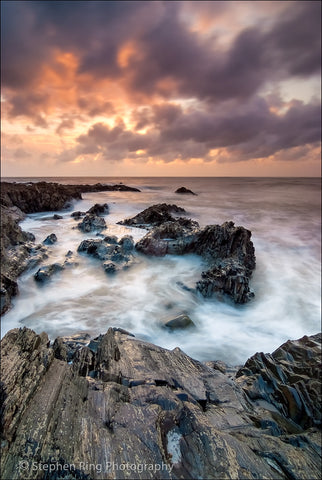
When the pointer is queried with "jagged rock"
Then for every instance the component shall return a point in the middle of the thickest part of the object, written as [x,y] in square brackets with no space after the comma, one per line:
[184,191]
[219,242]
[227,249]
[289,379]
[50,240]
[180,321]
[172,237]
[229,278]
[99,209]
[46,272]
[124,401]
[153,216]
[91,222]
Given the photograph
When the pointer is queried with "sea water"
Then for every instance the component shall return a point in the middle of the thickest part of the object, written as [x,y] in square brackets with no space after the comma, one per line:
[283,215]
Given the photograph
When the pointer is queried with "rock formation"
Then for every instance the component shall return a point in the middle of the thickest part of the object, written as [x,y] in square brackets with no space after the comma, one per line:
[227,249]
[91,223]
[18,250]
[114,255]
[184,191]
[153,216]
[118,405]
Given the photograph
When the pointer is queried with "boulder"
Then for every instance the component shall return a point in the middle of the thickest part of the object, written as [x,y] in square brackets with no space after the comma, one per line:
[181,321]
[114,256]
[50,240]
[184,191]
[76,215]
[99,209]
[91,223]
[171,237]
[153,216]
[46,272]
[131,402]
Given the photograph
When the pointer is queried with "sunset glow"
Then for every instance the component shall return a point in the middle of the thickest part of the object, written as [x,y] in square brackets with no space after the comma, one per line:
[161,88]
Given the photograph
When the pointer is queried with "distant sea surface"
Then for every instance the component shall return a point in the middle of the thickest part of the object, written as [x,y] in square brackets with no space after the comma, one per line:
[284,216]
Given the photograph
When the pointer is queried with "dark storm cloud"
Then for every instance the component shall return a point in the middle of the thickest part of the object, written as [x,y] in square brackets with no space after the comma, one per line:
[167,49]
[252,132]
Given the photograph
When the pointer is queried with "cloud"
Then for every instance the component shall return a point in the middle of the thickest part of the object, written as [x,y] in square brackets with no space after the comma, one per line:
[162,80]
[244,132]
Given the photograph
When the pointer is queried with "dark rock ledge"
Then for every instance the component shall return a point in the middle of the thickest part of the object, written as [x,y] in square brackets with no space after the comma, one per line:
[124,401]
[18,250]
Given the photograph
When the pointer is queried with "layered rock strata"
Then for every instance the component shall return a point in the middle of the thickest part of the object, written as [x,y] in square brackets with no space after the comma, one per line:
[120,403]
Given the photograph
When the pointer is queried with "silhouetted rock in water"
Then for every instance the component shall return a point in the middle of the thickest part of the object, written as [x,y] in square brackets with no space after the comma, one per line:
[77,215]
[153,216]
[114,255]
[50,240]
[131,402]
[91,223]
[227,249]
[179,322]
[99,209]
[184,191]
[53,217]
[47,271]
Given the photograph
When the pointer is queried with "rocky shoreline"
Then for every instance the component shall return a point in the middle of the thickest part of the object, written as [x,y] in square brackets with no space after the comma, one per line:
[117,407]
[227,250]
[18,249]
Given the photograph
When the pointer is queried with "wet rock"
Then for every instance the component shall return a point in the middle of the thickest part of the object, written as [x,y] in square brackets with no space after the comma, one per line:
[114,256]
[76,215]
[229,278]
[123,399]
[49,196]
[184,191]
[127,243]
[91,223]
[112,239]
[109,267]
[19,198]
[46,272]
[153,216]
[289,379]
[172,237]
[50,240]
[179,322]
[227,249]
[99,209]
[8,289]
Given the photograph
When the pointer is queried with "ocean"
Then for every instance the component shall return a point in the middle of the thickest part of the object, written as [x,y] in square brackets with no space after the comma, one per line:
[284,216]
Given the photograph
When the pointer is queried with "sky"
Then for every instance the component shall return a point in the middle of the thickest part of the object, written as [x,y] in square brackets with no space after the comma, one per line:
[154,88]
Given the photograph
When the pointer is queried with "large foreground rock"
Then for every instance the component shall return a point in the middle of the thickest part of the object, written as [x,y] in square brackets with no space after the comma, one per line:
[120,405]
